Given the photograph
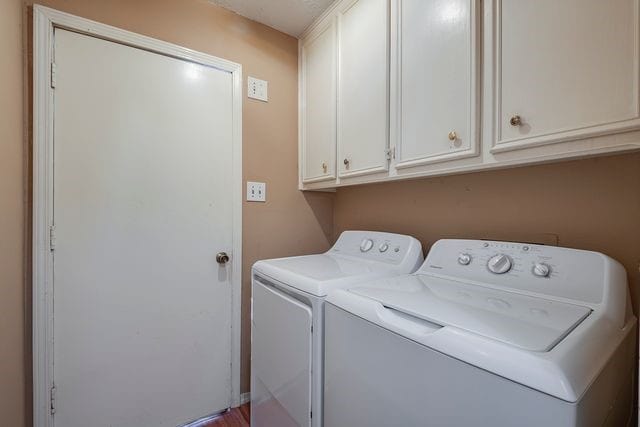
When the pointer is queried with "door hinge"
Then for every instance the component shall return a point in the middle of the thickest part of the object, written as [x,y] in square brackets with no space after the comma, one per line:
[53,399]
[52,238]
[53,75]
[390,153]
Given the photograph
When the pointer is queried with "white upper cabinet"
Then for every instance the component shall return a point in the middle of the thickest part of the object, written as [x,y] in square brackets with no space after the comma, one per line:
[564,70]
[318,104]
[435,97]
[363,80]
[397,89]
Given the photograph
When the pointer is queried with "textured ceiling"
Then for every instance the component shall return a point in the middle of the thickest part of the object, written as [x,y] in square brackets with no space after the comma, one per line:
[289,16]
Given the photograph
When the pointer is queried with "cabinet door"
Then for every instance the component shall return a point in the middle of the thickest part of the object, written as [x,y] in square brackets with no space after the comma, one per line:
[435,117]
[318,118]
[564,69]
[363,131]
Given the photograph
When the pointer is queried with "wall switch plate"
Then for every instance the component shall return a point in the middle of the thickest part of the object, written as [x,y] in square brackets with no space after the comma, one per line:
[256,191]
[257,89]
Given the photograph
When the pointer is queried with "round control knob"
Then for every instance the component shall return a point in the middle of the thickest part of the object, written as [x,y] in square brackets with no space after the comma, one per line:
[499,264]
[383,247]
[464,259]
[541,269]
[366,245]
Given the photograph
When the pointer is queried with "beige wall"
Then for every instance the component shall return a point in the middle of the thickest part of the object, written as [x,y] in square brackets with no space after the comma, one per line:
[12,359]
[289,223]
[589,204]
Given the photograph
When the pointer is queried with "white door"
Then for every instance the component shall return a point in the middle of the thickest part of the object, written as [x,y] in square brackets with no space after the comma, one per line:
[142,204]
[436,69]
[363,80]
[572,77]
[318,118]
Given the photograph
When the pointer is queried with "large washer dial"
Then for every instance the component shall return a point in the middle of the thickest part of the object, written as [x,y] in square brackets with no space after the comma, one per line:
[366,245]
[499,264]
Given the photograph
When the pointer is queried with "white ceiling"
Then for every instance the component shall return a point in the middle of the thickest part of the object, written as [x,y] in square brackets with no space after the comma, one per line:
[289,16]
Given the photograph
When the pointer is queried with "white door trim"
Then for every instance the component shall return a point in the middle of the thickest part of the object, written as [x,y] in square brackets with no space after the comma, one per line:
[45,21]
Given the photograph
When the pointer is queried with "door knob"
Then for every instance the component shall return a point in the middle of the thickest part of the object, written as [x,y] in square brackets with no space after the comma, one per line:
[346,162]
[453,135]
[222,258]
[515,120]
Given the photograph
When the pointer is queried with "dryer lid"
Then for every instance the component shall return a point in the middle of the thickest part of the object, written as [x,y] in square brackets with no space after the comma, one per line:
[526,322]
[356,257]
[322,267]
[319,274]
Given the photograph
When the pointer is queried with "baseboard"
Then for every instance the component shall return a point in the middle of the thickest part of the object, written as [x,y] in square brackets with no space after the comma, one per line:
[245,397]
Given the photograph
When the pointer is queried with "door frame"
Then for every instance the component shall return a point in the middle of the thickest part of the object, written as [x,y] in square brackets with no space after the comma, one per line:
[45,20]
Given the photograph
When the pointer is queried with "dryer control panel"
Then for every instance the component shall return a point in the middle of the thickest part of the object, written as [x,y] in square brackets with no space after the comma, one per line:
[560,272]
[379,246]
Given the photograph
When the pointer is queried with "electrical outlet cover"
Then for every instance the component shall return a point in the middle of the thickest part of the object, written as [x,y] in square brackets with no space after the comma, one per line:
[256,191]
[257,89]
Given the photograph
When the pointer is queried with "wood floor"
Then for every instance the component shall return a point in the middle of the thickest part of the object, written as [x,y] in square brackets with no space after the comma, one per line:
[235,417]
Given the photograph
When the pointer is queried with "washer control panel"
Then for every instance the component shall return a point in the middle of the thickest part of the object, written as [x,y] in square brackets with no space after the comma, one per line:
[550,270]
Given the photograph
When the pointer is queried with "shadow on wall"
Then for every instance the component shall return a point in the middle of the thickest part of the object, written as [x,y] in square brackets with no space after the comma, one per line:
[322,208]
[591,204]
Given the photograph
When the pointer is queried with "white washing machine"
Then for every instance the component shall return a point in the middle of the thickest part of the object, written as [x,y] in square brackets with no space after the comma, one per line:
[484,334]
[287,319]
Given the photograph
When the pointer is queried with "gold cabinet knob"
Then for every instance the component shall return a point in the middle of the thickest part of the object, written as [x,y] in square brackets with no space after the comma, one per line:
[453,135]
[515,120]
[346,162]
[324,167]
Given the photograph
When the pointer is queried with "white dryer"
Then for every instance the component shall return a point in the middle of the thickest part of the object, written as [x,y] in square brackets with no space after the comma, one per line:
[287,319]
[488,334]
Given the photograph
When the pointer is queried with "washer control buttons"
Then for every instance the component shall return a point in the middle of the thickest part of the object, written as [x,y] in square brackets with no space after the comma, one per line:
[541,269]
[366,245]
[383,247]
[499,264]
[464,259]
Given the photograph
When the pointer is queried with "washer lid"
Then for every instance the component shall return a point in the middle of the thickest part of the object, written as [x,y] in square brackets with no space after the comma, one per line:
[522,321]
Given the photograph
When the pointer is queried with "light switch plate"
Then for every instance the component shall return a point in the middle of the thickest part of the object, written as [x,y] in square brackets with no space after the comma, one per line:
[257,89]
[256,191]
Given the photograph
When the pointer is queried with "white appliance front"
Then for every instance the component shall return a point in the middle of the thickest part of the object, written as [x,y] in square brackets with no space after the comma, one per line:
[282,353]
[284,390]
[288,314]
[458,344]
